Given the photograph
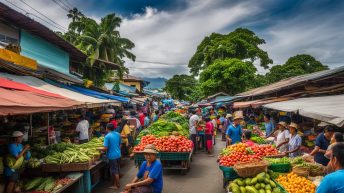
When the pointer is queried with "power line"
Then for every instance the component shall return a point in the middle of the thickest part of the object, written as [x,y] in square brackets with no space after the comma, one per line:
[44,15]
[70,5]
[56,2]
[28,13]
[65,5]
[162,63]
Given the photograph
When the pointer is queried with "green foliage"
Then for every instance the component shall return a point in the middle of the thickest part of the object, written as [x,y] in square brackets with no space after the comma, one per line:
[242,44]
[231,76]
[99,41]
[295,66]
[181,86]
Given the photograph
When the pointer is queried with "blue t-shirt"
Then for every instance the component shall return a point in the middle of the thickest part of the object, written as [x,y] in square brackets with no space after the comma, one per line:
[332,183]
[15,150]
[222,119]
[269,127]
[234,133]
[146,121]
[154,172]
[323,143]
[112,141]
[155,118]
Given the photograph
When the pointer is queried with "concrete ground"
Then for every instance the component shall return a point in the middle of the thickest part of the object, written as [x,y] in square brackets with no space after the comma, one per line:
[204,176]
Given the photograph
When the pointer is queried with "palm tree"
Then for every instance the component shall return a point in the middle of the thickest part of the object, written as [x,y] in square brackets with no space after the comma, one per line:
[75,14]
[103,41]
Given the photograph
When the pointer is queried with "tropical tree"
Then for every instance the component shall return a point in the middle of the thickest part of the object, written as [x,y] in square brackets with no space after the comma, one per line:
[242,44]
[295,66]
[75,14]
[181,86]
[230,75]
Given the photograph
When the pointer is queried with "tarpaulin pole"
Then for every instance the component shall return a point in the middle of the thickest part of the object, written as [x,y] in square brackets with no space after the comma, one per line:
[31,132]
[48,129]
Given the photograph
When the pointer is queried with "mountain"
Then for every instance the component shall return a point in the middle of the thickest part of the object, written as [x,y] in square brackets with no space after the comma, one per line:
[155,83]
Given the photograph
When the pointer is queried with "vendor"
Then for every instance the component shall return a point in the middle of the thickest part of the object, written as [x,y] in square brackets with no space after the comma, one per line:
[269,126]
[83,129]
[16,151]
[149,178]
[295,141]
[321,144]
[334,182]
[282,137]
[234,131]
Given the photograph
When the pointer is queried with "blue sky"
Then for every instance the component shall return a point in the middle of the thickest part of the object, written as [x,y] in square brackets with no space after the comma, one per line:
[169,31]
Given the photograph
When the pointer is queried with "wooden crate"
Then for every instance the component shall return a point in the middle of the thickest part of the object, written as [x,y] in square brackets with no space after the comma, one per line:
[74,167]
[51,167]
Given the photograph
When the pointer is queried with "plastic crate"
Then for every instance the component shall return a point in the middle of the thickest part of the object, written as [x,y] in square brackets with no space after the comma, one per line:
[229,173]
[174,156]
[281,168]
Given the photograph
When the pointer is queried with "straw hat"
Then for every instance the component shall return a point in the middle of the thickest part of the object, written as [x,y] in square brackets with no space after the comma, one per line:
[294,125]
[17,134]
[150,148]
[237,117]
[283,124]
[228,116]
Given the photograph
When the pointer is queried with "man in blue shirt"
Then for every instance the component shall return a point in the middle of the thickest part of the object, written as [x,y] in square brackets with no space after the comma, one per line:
[149,177]
[321,144]
[333,183]
[234,131]
[269,127]
[112,146]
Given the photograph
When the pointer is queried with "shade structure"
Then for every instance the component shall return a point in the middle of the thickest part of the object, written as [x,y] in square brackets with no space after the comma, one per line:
[89,92]
[328,109]
[245,104]
[15,99]
[44,86]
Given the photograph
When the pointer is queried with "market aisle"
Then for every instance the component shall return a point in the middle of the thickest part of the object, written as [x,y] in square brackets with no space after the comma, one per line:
[203,177]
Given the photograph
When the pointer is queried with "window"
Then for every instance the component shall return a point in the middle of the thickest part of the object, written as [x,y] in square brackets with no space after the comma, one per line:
[8,34]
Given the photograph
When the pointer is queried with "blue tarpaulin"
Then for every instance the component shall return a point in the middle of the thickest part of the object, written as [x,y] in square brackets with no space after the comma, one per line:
[89,92]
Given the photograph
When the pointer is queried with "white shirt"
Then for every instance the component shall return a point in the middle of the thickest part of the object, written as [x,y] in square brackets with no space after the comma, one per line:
[110,111]
[282,137]
[83,127]
[192,124]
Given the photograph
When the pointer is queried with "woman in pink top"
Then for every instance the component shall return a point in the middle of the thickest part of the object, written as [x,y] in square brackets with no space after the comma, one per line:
[209,130]
[247,138]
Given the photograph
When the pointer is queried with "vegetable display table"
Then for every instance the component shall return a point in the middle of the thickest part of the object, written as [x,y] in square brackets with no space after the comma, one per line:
[169,160]
[92,176]
[77,181]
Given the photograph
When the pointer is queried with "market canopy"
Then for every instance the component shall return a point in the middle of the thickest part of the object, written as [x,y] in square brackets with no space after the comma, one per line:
[16,98]
[44,86]
[328,109]
[89,92]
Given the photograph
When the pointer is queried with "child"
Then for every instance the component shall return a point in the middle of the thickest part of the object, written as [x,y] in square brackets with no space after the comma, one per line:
[247,138]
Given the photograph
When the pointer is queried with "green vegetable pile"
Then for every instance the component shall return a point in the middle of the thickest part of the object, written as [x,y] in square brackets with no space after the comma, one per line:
[46,184]
[258,184]
[39,152]
[258,139]
[79,153]
[166,125]
[33,163]
[283,160]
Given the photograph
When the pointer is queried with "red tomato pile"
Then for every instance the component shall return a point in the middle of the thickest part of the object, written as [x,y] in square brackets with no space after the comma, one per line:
[242,153]
[166,144]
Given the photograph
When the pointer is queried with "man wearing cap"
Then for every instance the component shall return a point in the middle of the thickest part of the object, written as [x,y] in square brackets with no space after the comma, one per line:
[16,151]
[112,146]
[321,144]
[234,131]
[149,178]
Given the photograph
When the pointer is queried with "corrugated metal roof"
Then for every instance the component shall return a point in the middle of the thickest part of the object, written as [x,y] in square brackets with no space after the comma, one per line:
[292,82]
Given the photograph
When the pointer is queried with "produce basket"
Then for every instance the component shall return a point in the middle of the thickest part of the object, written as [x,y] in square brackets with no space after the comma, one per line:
[281,168]
[301,171]
[228,173]
[174,156]
[74,167]
[51,167]
[249,169]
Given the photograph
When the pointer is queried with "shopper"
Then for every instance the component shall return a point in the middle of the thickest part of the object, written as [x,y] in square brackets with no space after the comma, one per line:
[156,116]
[112,146]
[146,120]
[226,122]
[138,123]
[201,143]
[247,138]
[336,138]
[282,138]
[252,120]
[16,152]
[149,178]
[193,124]
[321,144]
[295,141]
[209,130]
[234,131]
[83,128]
[269,127]
[126,137]
[333,183]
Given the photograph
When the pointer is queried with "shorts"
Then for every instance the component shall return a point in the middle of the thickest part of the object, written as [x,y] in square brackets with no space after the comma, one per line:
[83,141]
[14,177]
[114,165]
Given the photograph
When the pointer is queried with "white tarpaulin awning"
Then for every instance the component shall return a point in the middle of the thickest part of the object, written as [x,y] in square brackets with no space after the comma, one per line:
[329,109]
[42,85]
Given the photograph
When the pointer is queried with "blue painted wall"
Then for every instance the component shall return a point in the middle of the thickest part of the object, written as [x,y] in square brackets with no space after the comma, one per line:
[46,54]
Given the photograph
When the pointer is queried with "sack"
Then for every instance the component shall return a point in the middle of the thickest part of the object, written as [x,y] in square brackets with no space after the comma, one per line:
[14,163]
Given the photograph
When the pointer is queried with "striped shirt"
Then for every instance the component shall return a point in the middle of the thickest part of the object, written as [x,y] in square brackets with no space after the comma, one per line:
[294,142]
